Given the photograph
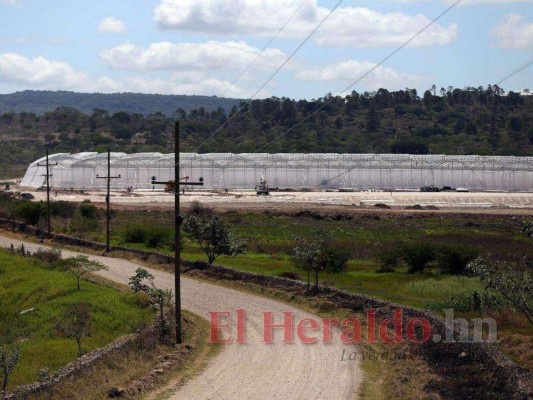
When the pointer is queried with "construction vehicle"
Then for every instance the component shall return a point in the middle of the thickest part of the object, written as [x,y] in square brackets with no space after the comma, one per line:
[262,189]
[171,185]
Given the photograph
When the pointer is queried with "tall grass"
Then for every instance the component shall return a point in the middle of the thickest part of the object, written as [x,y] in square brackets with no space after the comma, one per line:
[27,284]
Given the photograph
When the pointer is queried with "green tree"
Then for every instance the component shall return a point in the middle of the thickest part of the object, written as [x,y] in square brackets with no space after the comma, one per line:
[213,236]
[513,282]
[161,297]
[417,256]
[313,254]
[80,266]
[8,361]
[372,119]
[453,259]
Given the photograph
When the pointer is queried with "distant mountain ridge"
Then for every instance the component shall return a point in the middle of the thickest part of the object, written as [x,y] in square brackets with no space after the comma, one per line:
[41,101]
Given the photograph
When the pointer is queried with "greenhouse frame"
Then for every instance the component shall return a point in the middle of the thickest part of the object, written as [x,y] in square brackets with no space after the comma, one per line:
[288,171]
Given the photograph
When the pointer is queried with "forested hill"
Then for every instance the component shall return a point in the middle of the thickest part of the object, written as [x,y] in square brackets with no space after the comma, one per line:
[483,121]
[40,102]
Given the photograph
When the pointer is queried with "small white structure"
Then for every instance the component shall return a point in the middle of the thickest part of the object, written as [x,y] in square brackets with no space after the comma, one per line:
[295,171]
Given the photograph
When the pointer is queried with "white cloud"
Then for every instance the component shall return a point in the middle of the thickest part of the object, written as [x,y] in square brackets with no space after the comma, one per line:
[351,70]
[210,55]
[200,85]
[348,26]
[18,73]
[362,27]
[111,25]
[13,3]
[514,32]
[41,73]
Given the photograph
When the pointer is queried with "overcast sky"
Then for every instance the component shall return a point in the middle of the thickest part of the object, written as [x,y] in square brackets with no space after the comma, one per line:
[201,46]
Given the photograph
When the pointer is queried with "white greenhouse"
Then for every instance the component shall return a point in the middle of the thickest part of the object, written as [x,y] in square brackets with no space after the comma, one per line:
[294,171]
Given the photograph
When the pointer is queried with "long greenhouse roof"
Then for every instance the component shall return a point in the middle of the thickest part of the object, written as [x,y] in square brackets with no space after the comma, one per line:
[292,160]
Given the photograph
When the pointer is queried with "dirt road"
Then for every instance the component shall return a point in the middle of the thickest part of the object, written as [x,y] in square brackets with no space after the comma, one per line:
[254,370]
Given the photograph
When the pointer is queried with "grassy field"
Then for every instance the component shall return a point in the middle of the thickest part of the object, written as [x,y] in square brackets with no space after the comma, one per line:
[26,283]
[270,238]
[270,243]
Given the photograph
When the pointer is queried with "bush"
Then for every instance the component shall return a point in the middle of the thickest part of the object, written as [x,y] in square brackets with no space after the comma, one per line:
[388,260]
[135,235]
[337,260]
[417,256]
[63,209]
[47,255]
[453,259]
[30,212]
[89,211]
[153,237]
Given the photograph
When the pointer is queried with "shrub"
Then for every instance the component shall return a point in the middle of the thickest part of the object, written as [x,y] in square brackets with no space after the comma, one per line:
[135,235]
[89,211]
[153,237]
[47,255]
[198,208]
[290,275]
[337,260]
[417,256]
[388,260]
[30,212]
[453,259]
[63,209]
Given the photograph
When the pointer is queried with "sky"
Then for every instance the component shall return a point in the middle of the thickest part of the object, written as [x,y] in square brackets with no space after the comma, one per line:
[215,47]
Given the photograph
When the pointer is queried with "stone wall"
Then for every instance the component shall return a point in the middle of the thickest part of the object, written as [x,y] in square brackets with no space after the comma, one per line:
[479,367]
[86,361]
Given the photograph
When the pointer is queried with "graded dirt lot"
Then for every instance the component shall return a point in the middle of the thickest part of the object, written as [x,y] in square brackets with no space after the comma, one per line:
[254,370]
[445,202]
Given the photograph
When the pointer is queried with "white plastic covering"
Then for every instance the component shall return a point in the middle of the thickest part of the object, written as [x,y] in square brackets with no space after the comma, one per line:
[296,171]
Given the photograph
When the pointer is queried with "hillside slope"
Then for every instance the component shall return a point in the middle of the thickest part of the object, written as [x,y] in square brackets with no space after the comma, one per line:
[40,102]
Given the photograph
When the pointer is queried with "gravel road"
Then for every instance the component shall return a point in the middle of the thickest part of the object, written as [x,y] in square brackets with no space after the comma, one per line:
[254,370]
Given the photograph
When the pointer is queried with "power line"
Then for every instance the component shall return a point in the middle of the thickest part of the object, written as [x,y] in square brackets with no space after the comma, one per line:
[363,76]
[351,169]
[515,72]
[275,72]
[355,82]
[264,48]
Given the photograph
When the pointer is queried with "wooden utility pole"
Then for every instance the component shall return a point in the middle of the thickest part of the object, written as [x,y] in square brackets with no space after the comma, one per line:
[178,222]
[47,175]
[108,196]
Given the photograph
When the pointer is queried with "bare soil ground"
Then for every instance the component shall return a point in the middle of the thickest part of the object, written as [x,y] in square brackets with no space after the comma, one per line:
[325,202]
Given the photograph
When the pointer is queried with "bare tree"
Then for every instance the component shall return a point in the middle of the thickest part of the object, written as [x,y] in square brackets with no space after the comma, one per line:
[76,324]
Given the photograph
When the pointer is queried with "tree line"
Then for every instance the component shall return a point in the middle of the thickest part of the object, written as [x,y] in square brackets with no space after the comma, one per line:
[483,120]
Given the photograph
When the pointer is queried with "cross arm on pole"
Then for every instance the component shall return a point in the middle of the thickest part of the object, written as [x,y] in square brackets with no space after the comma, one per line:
[108,177]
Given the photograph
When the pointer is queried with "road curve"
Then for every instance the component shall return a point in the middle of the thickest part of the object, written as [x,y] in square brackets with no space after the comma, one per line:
[254,370]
